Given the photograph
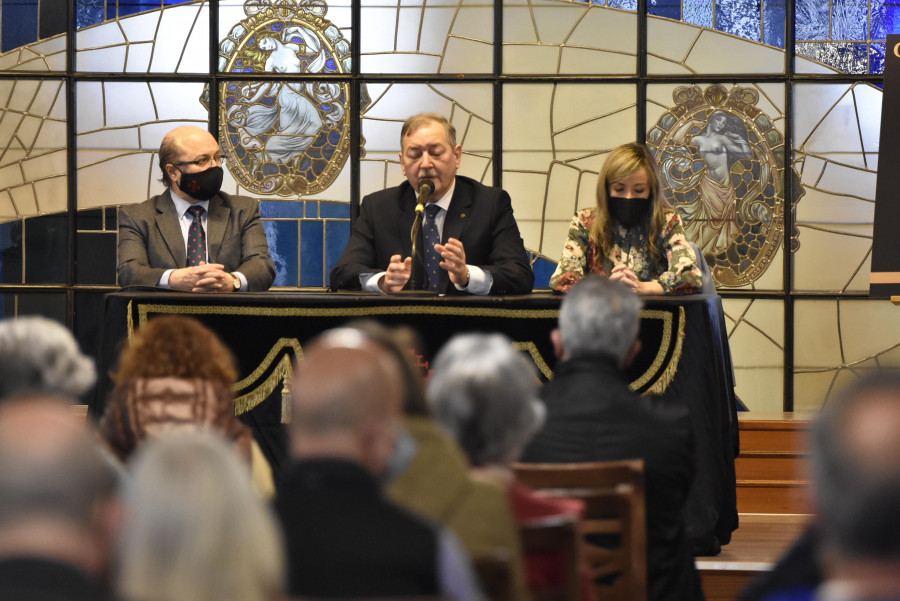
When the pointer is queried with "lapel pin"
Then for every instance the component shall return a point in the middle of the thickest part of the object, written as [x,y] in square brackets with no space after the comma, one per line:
[462,215]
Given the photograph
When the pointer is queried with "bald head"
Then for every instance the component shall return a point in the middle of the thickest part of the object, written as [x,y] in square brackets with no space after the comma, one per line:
[182,144]
[347,397]
[53,480]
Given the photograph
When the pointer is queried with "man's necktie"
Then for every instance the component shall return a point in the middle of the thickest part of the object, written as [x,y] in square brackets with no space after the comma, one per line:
[196,246]
[432,258]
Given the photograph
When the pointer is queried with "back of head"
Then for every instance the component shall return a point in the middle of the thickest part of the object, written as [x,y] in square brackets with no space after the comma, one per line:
[195,528]
[485,394]
[179,347]
[347,398]
[40,355]
[51,468]
[856,464]
[599,317]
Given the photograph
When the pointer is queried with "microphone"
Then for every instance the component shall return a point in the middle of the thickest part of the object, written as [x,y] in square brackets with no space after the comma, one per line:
[426,187]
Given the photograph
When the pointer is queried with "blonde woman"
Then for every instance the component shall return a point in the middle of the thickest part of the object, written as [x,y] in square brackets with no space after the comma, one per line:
[633,235]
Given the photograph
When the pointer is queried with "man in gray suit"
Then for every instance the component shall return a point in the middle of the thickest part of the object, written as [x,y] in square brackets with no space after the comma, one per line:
[193,237]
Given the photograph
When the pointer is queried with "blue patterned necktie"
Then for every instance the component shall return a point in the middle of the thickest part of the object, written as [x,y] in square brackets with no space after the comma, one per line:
[196,246]
[432,258]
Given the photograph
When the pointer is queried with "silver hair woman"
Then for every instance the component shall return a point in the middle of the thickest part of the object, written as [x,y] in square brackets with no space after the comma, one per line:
[195,529]
[40,355]
[485,393]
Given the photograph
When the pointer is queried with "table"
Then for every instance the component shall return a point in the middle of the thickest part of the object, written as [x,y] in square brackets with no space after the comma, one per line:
[684,359]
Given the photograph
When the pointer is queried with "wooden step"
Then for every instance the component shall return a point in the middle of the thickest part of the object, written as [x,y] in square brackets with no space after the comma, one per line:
[774,432]
[776,465]
[773,496]
[759,542]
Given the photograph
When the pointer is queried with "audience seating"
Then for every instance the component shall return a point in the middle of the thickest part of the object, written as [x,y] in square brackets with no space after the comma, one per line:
[614,531]
[557,537]
[496,578]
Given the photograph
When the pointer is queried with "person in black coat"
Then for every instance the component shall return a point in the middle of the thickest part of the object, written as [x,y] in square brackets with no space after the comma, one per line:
[480,250]
[592,415]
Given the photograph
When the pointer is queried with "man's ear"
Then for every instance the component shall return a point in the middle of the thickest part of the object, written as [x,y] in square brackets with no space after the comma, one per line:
[632,353]
[171,171]
[556,339]
[458,153]
[402,166]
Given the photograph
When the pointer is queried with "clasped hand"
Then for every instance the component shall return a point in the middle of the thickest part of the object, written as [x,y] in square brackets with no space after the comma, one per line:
[206,277]
[453,254]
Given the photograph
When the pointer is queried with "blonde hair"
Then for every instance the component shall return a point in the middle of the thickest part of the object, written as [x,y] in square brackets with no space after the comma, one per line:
[621,163]
[196,530]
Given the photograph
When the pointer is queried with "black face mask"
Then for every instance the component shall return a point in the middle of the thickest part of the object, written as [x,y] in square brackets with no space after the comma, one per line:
[202,185]
[628,212]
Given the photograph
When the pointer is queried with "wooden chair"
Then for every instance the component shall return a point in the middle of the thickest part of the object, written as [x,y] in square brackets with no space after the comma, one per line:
[614,531]
[558,537]
[496,578]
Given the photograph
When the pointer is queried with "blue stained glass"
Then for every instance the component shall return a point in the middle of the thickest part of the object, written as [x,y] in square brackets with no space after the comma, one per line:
[849,19]
[335,210]
[739,18]
[699,12]
[846,58]
[311,239]
[876,59]
[670,9]
[337,234]
[773,22]
[11,252]
[88,12]
[312,209]
[625,4]
[277,208]
[282,236]
[885,18]
[20,23]
[812,20]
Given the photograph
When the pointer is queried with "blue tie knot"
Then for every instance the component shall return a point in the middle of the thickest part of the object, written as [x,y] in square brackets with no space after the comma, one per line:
[196,212]
[431,211]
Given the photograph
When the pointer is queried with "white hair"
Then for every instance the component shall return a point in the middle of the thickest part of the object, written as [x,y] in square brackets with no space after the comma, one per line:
[196,530]
[486,395]
[599,317]
[40,355]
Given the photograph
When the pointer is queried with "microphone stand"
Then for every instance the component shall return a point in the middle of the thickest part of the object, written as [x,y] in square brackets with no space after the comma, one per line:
[425,189]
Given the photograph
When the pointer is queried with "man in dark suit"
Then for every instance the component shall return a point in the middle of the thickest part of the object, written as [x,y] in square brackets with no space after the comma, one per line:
[343,537]
[592,415]
[59,511]
[480,249]
[193,236]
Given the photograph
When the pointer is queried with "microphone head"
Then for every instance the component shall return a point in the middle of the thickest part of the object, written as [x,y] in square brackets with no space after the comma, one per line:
[426,186]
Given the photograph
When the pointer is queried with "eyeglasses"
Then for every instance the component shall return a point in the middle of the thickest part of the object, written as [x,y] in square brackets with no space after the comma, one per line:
[202,163]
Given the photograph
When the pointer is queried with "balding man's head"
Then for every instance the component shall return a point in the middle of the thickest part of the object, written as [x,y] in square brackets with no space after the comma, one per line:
[347,400]
[54,480]
[180,140]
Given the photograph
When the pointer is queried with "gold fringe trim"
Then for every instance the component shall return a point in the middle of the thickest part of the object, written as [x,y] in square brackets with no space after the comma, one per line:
[668,374]
[282,374]
[145,310]
[130,322]
[283,371]
[536,357]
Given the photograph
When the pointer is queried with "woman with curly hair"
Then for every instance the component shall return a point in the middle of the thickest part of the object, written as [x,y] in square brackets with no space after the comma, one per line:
[177,375]
[633,235]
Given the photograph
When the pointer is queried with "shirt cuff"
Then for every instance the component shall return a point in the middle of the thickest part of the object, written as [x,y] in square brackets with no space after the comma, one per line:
[164,279]
[244,285]
[480,281]
[369,281]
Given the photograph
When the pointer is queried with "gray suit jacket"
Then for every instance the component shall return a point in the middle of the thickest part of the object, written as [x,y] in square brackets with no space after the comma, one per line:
[150,240]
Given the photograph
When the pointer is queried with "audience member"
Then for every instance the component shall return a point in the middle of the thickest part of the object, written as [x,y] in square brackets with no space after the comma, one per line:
[40,355]
[486,395]
[177,375]
[855,447]
[195,530]
[429,475]
[58,508]
[592,415]
[344,538]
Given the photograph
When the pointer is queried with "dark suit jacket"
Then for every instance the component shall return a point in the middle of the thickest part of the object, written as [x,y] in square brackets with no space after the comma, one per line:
[592,415]
[150,240]
[30,578]
[344,539]
[479,216]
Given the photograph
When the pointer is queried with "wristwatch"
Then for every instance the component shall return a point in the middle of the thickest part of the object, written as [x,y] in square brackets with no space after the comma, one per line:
[236,281]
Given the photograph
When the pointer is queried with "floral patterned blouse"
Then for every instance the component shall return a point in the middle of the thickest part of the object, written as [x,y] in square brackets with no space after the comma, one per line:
[677,271]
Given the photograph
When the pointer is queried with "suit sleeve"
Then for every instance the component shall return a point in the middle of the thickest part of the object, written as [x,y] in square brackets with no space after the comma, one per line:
[508,261]
[256,264]
[359,256]
[133,263]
